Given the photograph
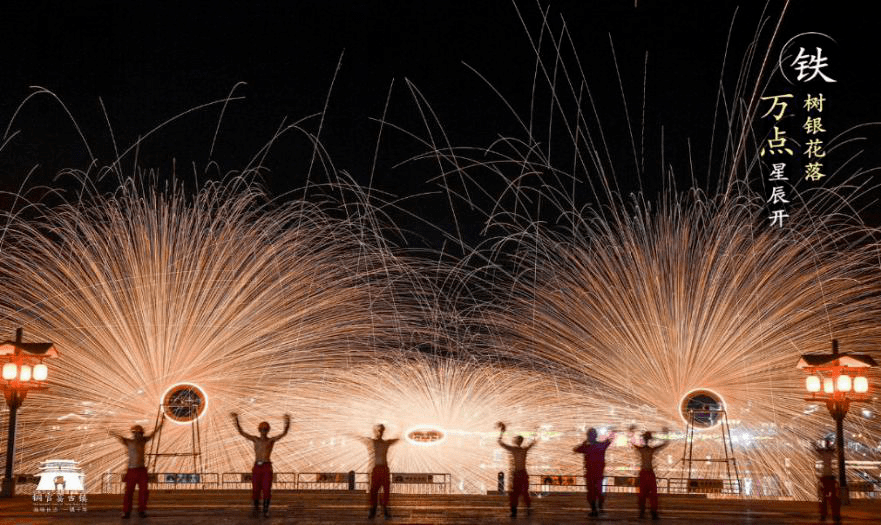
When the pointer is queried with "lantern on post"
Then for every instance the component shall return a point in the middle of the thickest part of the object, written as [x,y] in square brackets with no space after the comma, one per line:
[23,370]
[838,379]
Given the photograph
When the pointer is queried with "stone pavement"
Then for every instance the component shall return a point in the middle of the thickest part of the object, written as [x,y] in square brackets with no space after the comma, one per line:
[232,507]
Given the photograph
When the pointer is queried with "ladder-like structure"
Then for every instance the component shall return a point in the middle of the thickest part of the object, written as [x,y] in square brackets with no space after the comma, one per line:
[713,413]
[155,452]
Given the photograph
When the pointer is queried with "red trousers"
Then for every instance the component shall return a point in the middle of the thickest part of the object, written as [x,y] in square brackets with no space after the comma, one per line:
[379,479]
[829,492]
[261,479]
[648,488]
[594,481]
[520,487]
[135,476]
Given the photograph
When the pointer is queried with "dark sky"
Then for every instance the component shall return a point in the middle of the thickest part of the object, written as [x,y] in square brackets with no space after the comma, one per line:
[150,61]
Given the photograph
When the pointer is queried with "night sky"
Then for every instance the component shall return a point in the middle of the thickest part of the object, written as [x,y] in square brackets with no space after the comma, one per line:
[150,61]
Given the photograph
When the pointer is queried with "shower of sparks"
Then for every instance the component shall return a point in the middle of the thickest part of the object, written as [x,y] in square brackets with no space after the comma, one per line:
[643,309]
[641,300]
[460,398]
[144,289]
[601,315]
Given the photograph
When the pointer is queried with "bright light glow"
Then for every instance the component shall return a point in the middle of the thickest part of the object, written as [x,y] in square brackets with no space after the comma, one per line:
[25,373]
[861,384]
[812,383]
[828,385]
[200,392]
[425,435]
[703,420]
[41,372]
[9,371]
[843,383]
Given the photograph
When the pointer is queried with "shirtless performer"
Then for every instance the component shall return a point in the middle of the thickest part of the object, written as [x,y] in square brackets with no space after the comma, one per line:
[520,483]
[380,477]
[261,474]
[594,463]
[137,468]
[828,485]
[648,484]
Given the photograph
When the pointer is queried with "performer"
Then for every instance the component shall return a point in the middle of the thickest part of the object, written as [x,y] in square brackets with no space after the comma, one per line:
[261,473]
[380,477]
[648,484]
[828,485]
[594,463]
[520,479]
[137,468]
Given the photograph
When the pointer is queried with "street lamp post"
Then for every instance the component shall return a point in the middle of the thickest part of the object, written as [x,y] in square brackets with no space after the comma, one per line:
[838,379]
[22,370]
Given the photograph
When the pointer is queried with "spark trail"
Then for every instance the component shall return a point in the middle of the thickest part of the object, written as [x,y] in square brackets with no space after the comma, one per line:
[145,288]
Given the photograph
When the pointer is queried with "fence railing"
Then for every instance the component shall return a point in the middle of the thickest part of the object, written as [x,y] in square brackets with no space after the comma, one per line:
[402,482]
[359,481]
[114,482]
[563,483]
[550,483]
[432,483]
[421,483]
[864,489]
[242,480]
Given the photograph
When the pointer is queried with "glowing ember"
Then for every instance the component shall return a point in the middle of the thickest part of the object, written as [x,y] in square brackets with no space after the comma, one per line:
[184,403]
[425,435]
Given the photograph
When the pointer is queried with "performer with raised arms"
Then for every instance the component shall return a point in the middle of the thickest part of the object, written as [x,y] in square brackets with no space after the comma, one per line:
[520,478]
[136,475]
[261,473]
[648,483]
[380,477]
[594,464]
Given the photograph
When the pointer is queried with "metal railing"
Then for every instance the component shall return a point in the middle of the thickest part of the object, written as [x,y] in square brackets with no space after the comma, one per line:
[431,483]
[563,483]
[402,482]
[864,489]
[421,483]
[114,482]
[359,481]
[26,484]
[242,480]
[569,483]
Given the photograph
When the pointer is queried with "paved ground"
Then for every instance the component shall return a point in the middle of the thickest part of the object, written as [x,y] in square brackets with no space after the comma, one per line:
[231,507]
